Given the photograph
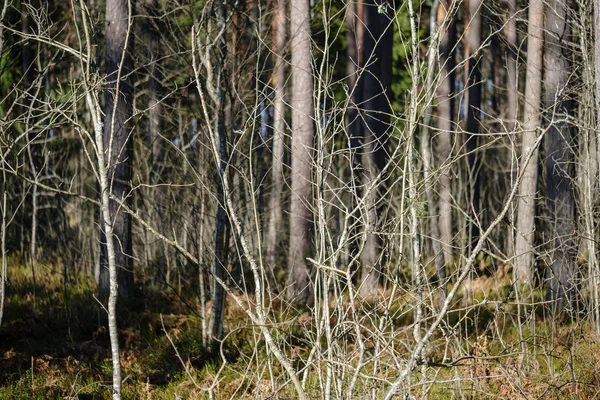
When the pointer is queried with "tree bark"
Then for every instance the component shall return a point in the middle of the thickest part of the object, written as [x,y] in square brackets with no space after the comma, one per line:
[473,112]
[560,168]
[157,250]
[274,229]
[377,93]
[301,218]
[427,152]
[118,145]
[524,247]
[512,114]
[216,318]
[445,117]
[354,64]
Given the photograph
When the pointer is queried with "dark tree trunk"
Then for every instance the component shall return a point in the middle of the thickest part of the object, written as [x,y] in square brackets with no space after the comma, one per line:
[377,81]
[216,319]
[559,157]
[118,143]
[301,217]
[355,46]
[473,112]
[155,127]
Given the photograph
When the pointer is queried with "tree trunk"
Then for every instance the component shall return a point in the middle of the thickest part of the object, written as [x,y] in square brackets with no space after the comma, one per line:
[355,46]
[427,153]
[559,158]
[524,250]
[512,114]
[473,112]
[118,144]
[301,218]
[157,250]
[274,229]
[597,69]
[445,117]
[377,94]
[216,318]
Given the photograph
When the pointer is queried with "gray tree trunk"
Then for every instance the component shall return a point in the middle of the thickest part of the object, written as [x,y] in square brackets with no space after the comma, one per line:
[524,250]
[560,167]
[118,145]
[301,210]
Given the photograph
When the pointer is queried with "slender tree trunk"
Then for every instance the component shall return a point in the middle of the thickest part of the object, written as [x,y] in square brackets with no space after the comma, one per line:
[118,145]
[377,95]
[354,67]
[524,250]
[216,318]
[274,229]
[27,58]
[473,112]
[427,153]
[445,117]
[512,114]
[4,269]
[511,66]
[560,168]
[597,69]
[155,128]
[3,226]
[301,209]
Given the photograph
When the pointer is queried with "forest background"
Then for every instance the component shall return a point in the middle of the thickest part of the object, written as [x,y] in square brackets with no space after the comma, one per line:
[293,199]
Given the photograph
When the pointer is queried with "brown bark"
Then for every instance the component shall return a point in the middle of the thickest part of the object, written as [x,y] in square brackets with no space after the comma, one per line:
[301,219]
[118,144]
[524,250]
[559,158]
[274,229]
[445,117]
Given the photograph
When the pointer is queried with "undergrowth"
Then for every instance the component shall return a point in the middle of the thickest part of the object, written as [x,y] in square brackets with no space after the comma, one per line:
[54,345]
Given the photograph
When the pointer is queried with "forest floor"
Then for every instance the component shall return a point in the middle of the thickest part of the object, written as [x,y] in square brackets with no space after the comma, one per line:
[54,345]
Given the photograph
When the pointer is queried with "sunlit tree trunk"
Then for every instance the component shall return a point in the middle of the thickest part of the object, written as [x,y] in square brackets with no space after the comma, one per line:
[118,144]
[301,218]
[274,229]
[524,250]
[445,117]
[559,157]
